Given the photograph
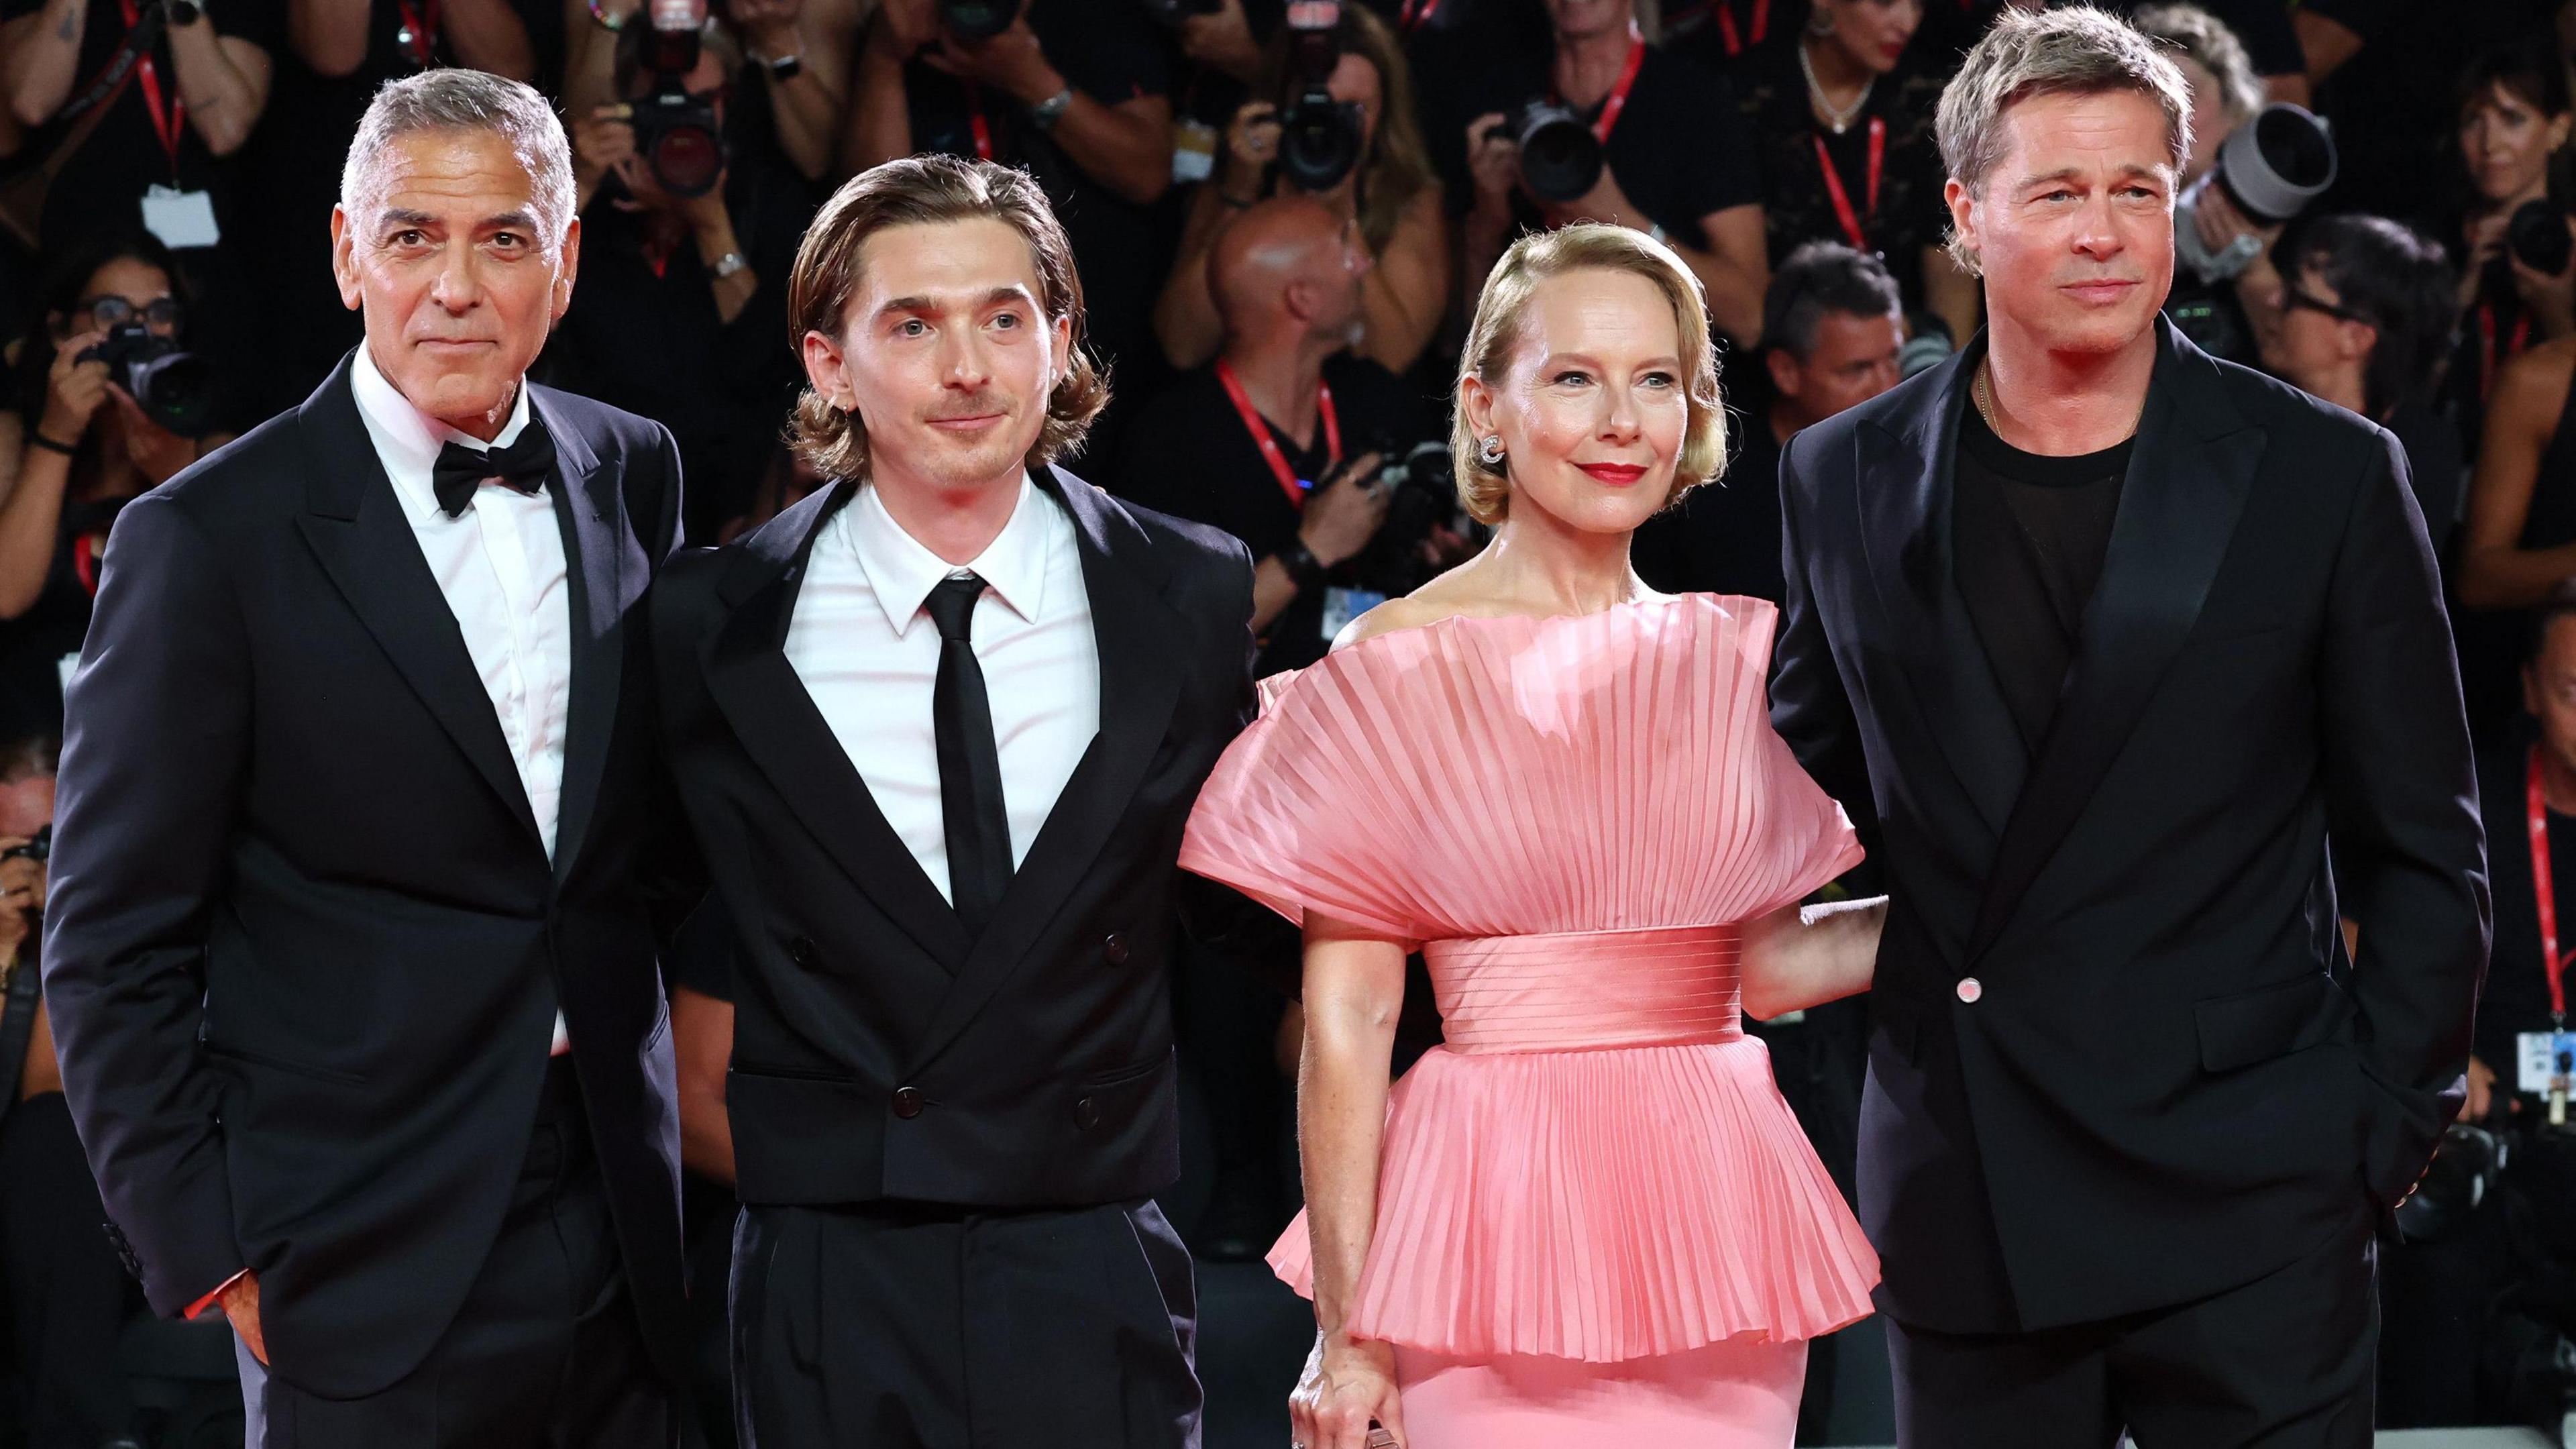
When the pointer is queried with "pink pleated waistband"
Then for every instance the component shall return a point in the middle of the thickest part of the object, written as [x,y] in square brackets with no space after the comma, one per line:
[1664,986]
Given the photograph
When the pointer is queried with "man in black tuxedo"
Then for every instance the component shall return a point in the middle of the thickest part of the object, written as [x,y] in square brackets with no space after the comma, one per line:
[2107,637]
[351,956]
[939,727]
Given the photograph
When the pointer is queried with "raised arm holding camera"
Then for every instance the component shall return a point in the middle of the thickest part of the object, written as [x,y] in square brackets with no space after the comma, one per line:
[1667,156]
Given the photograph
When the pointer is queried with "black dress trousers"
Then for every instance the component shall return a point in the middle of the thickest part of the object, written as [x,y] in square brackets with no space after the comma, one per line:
[923,1326]
[547,1352]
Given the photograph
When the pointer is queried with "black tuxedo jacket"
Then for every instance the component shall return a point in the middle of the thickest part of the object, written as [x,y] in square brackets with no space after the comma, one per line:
[304,948]
[2168,1078]
[879,1051]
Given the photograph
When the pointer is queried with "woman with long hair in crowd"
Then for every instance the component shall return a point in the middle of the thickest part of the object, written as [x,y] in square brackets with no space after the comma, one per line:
[1391,193]
[84,447]
[1588,1219]
[2514,114]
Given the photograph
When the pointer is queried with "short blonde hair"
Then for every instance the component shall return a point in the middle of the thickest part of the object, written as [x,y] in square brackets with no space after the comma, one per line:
[1485,489]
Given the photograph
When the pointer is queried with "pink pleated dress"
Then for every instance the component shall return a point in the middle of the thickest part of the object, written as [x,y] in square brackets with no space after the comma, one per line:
[1597,1223]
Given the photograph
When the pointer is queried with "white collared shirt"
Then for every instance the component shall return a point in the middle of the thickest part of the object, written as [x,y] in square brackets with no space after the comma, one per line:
[868,654]
[501,566]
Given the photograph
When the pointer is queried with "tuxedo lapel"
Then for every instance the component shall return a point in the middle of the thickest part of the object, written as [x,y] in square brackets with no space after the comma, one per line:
[591,513]
[356,528]
[2189,475]
[786,735]
[1141,672]
[1905,473]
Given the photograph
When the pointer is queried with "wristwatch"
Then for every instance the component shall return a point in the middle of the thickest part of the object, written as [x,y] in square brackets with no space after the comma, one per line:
[728,264]
[782,67]
[184,13]
[1304,569]
[1047,112]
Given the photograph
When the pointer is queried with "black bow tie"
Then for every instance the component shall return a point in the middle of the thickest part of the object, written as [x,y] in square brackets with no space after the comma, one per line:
[524,465]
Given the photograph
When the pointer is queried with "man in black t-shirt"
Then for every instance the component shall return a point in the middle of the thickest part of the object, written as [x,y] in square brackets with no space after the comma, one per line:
[1277,441]
[1076,92]
[1678,161]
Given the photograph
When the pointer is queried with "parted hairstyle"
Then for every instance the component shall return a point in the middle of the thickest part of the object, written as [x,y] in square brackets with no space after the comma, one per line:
[2076,51]
[1485,489]
[917,191]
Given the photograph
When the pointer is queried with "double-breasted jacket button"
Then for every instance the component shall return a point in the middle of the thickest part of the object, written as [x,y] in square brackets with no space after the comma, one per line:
[801,951]
[907,1102]
[1970,989]
[1114,948]
[1086,1112]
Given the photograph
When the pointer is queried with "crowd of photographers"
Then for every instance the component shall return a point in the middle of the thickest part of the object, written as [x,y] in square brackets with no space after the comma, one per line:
[1281,209]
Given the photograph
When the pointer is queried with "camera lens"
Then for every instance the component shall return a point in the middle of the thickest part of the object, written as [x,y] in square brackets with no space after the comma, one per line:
[1319,141]
[978,19]
[2277,163]
[2538,238]
[1560,157]
[686,157]
[173,387]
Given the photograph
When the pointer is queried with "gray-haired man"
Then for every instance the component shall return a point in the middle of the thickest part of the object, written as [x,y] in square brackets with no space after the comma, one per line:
[2108,637]
[361,860]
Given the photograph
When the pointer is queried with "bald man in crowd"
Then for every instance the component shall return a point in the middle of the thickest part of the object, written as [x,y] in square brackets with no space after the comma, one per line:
[1278,441]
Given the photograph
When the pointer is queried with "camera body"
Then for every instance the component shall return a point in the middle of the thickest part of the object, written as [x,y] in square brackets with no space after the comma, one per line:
[979,19]
[1422,495]
[39,847]
[1320,138]
[676,133]
[2537,237]
[1560,157]
[173,385]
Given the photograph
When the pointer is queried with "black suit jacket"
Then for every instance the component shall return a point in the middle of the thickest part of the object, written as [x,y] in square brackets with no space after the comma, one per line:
[304,947]
[2171,1079]
[879,1051]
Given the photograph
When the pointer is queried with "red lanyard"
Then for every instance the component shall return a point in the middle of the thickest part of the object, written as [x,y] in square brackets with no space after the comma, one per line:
[2487,345]
[1735,41]
[1618,98]
[1853,222]
[165,124]
[1269,446]
[421,28]
[975,121]
[85,563]
[2545,896]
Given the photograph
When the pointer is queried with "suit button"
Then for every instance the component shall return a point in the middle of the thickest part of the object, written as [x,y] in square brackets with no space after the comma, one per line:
[801,951]
[1114,949]
[1087,1113]
[907,1102]
[1970,989]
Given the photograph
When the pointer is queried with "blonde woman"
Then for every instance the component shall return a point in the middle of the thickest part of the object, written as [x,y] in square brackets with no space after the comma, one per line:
[1588,1219]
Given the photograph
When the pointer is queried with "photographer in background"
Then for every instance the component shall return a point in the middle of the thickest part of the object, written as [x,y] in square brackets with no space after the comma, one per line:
[2514,115]
[1677,159]
[2360,316]
[85,447]
[687,239]
[1832,324]
[1388,187]
[67,1296]
[1075,92]
[1280,441]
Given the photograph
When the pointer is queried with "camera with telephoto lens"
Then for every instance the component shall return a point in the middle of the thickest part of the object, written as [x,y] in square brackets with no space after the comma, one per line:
[677,133]
[173,385]
[1560,157]
[2537,237]
[2272,167]
[978,19]
[1319,137]
[1422,495]
[1173,12]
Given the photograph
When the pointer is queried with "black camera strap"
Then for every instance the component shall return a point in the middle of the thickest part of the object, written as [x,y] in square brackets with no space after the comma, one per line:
[22,198]
[140,35]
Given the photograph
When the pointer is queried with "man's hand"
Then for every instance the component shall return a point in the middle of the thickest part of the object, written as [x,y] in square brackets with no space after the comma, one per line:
[606,139]
[1012,62]
[1223,41]
[2481,1100]
[240,1303]
[1605,202]
[1344,513]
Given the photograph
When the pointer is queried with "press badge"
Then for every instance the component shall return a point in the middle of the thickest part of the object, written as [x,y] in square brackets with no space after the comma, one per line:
[1193,151]
[181,219]
[1341,606]
[2548,1061]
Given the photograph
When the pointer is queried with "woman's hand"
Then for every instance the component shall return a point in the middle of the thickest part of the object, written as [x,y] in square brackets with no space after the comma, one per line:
[1493,160]
[74,390]
[1347,1386]
[2552,300]
[1251,143]
[153,449]
[606,139]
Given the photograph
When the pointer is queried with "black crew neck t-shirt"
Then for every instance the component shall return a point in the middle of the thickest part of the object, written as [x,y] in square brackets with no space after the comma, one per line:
[2030,535]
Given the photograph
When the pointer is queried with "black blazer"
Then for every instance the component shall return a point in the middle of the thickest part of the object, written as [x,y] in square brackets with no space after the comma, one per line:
[879,1051]
[304,947]
[2171,1079]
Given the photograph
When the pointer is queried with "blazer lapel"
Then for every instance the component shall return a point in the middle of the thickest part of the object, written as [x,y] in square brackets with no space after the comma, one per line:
[1905,484]
[355,526]
[591,513]
[787,737]
[1141,670]
[2189,475]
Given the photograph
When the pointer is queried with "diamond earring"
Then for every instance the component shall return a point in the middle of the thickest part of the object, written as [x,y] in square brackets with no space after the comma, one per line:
[1490,452]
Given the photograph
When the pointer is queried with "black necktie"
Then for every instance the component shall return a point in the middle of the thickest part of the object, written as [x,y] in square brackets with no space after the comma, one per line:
[970,767]
[524,465]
